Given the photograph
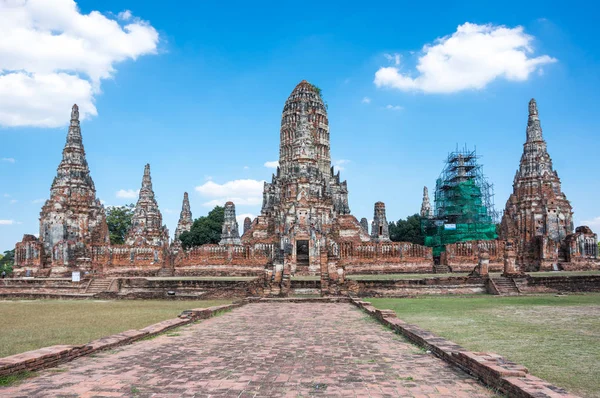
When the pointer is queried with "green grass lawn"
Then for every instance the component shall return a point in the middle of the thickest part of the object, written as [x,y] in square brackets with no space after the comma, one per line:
[557,338]
[563,273]
[29,325]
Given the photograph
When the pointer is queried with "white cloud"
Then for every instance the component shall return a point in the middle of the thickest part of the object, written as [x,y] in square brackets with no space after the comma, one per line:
[272,164]
[38,201]
[124,15]
[7,222]
[394,107]
[127,193]
[338,164]
[6,195]
[13,201]
[394,58]
[594,224]
[246,167]
[470,58]
[366,100]
[169,211]
[240,192]
[8,160]
[52,56]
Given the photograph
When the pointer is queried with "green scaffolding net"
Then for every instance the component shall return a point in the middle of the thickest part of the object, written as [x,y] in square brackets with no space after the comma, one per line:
[464,208]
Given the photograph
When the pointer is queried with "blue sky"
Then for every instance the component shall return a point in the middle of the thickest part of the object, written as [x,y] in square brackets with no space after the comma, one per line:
[198,91]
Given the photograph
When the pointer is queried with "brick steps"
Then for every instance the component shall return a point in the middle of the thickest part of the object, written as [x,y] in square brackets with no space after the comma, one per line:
[441,269]
[506,286]
[98,285]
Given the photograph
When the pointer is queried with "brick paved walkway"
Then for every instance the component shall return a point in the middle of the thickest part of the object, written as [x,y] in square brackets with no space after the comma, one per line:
[261,350]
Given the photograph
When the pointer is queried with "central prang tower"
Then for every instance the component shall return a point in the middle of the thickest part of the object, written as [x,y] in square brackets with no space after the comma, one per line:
[305,199]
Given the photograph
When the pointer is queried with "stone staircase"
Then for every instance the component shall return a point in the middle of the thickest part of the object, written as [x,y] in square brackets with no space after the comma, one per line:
[506,286]
[441,269]
[98,285]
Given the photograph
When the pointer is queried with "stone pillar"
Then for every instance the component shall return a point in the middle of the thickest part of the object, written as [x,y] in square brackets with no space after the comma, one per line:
[484,262]
[379,226]
[426,205]
[247,224]
[510,260]
[230,234]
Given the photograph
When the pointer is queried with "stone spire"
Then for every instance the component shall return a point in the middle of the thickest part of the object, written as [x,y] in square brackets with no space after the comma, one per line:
[230,234]
[247,224]
[304,130]
[146,224]
[379,226]
[73,215]
[364,224]
[426,206]
[185,218]
[537,216]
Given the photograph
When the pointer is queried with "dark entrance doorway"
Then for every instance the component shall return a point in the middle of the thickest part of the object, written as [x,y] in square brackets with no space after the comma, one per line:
[302,252]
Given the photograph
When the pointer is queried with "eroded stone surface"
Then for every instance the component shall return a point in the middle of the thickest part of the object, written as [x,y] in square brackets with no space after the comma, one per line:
[185,219]
[324,349]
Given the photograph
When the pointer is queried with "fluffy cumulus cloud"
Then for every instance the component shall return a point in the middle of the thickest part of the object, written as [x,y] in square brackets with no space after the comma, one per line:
[127,193]
[8,160]
[52,55]
[366,100]
[470,58]
[7,222]
[394,107]
[272,164]
[240,192]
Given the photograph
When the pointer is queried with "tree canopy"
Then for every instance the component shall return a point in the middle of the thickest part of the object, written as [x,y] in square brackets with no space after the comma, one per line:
[408,230]
[118,219]
[205,230]
[7,261]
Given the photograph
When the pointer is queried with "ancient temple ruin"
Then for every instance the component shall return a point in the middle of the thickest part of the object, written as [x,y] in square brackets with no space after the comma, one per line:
[230,234]
[72,220]
[538,218]
[380,227]
[147,228]
[185,219]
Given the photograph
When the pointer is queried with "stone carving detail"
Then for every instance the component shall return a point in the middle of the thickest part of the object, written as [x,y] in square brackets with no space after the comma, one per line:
[426,205]
[379,226]
[537,217]
[73,218]
[185,218]
[147,228]
[230,234]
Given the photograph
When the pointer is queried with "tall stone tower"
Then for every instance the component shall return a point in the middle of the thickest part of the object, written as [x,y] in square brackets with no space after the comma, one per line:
[538,216]
[364,223]
[230,234]
[426,205]
[147,228]
[304,197]
[379,226]
[73,218]
[247,224]
[185,218]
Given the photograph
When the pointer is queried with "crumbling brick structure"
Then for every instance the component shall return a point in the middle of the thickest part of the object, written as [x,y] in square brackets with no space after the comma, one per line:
[538,218]
[185,219]
[72,220]
[230,234]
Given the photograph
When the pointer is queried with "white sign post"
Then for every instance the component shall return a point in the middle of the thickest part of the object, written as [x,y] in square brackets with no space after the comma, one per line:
[75,276]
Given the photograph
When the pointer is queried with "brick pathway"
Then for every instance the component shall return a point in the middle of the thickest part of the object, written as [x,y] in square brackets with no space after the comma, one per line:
[261,350]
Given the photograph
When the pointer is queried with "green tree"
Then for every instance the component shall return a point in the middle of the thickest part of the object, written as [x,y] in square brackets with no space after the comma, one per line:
[7,261]
[118,219]
[408,230]
[206,229]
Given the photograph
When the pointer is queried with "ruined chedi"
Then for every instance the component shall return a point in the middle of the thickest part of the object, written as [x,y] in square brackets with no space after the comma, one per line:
[185,219]
[247,224]
[147,228]
[305,198]
[426,205]
[230,234]
[538,216]
[364,223]
[73,218]
[379,226]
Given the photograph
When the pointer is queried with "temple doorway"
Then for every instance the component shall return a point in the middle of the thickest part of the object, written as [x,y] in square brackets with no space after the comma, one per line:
[302,258]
